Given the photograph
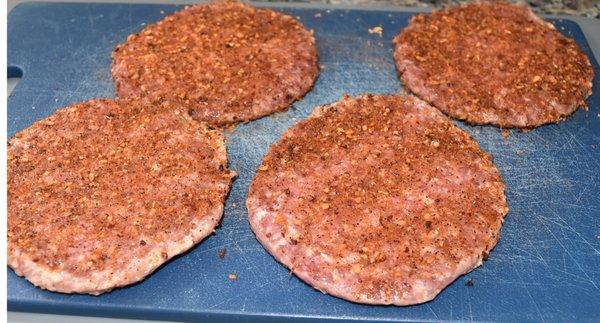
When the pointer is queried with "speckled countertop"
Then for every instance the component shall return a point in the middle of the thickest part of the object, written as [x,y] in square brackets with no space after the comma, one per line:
[588,8]
[584,8]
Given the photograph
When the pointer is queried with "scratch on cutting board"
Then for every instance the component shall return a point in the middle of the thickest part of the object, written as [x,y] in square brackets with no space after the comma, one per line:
[526,287]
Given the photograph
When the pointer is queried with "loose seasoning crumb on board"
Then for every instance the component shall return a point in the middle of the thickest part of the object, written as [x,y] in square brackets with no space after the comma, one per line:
[470,283]
[520,152]
[232,277]
[376,30]
[505,133]
[222,253]
[317,15]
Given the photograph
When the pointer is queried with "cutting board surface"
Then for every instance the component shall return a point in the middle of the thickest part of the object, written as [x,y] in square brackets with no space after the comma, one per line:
[545,268]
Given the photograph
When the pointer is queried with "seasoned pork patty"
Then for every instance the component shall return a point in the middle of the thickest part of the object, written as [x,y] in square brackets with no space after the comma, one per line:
[228,62]
[493,63]
[103,192]
[378,200]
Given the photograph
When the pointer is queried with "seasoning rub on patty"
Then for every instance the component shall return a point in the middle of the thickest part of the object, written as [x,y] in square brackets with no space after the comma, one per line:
[228,62]
[493,63]
[377,199]
[103,192]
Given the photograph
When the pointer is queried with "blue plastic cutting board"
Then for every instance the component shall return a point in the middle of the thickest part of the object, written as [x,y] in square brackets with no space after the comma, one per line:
[546,267]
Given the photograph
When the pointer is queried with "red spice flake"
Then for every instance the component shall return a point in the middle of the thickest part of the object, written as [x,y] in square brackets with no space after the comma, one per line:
[428,224]
[279,219]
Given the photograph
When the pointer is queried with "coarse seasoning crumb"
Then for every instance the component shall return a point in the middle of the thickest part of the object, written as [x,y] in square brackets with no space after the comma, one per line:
[376,30]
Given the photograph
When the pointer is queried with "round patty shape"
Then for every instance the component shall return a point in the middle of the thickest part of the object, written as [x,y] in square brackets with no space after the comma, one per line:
[227,61]
[493,63]
[103,192]
[378,200]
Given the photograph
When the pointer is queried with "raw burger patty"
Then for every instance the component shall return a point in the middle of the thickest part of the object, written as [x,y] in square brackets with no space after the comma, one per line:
[103,192]
[227,61]
[378,200]
[493,63]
